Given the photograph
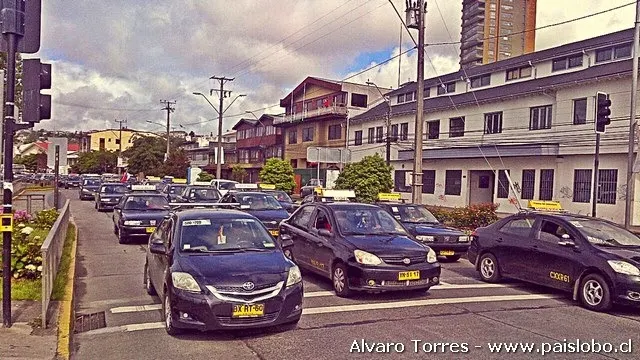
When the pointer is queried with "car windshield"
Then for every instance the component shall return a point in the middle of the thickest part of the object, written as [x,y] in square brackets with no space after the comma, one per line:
[113,189]
[91,182]
[280,196]
[600,232]
[204,194]
[226,185]
[367,222]
[413,214]
[74,178]
[142,202]
[259,202]
[211,235]
[176,189]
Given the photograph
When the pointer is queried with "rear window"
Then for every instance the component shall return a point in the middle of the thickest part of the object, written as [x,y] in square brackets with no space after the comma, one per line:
[113,189]
[520,227]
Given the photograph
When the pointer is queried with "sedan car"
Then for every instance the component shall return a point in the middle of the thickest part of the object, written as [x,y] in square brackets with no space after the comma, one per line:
[263,206]
[138,214]
[199,194]
[109,195]
[284,199]
[595,260]
[88,188]
[173,191]
[220,269]
[359,247]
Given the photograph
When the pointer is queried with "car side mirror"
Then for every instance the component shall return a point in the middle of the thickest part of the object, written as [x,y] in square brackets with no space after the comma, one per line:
[566,241]
[158,248]
[324,233]
[286,241]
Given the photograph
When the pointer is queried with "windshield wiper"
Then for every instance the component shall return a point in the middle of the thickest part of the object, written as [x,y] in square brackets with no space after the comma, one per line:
[257,249]
[213,251]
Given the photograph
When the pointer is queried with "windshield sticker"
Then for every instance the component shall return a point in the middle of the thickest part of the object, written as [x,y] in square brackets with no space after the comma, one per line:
[394,209]
[222,239]
[202,222]
[595,240]
[245,206]
[576,224]
[186,246]
[398,217]
[269,245]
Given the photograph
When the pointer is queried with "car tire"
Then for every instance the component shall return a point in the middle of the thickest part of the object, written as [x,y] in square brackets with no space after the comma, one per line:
[489,269]
[340,280]
[595,293]
[148,285]
[453,258]
[167,316]
[122,239]
[288,254]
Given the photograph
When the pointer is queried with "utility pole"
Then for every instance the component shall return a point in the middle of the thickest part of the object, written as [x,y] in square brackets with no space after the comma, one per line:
[56,192]
[418,9]
[223,80]
[596,169]
[169,109]
[388,153]
[632,121]
[120,160]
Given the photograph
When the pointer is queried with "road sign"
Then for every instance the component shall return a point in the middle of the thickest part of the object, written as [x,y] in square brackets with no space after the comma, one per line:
[325,155]
[51,152]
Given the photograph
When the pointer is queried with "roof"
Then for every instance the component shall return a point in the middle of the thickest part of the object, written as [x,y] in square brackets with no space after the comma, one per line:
[250,122]
[44,145]
[311,80]
[349,205]
[194,214]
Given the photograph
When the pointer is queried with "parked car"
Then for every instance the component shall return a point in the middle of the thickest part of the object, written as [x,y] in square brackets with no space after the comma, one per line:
[310,186]
[88,187]
[263,206]
[137,214]
[109,195]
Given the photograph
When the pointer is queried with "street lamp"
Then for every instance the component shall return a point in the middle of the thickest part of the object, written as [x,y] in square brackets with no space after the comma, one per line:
[386,99]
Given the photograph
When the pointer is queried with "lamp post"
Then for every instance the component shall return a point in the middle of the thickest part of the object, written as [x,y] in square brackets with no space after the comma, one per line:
[388,141]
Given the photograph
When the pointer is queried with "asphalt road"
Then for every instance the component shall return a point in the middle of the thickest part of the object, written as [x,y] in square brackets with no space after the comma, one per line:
[464,313]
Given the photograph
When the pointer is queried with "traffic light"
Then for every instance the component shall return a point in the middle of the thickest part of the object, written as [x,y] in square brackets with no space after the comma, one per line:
[602,112]
[36,76]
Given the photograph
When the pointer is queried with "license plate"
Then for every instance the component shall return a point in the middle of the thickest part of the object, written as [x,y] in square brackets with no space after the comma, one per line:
[151,229]
[447,252]
[253,310]
[274,232]
[409,275]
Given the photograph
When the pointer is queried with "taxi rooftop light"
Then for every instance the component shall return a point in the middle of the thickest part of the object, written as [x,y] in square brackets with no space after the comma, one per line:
[266,186]
[179,181]
[542,205]
[143,188]
[202,183]
[390,197]
[339,194]
[246,186]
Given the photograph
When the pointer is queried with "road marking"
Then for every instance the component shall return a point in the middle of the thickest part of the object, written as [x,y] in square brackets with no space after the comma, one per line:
[444,283]
[143,326]
[128,309]
[414,303]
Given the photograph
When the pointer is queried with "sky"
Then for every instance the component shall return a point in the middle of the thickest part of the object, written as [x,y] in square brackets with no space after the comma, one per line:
[117,59]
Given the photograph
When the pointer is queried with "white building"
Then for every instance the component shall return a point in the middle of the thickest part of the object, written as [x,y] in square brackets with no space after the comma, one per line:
[532,115]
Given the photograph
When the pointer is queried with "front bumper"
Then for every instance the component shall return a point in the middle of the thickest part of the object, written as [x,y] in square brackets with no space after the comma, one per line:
[448,249]
[387,278]
[86,196]
[206,312]
[141,231]
[626,290]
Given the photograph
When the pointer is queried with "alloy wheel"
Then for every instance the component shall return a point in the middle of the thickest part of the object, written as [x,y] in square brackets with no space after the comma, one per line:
[487,268]
[592,292]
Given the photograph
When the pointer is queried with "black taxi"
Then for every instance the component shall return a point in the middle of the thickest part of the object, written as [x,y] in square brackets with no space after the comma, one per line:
[261,205]
[199,192]
[445,241]
[109,195]
[217,269]
[596,260]
[359,247]
[139,212]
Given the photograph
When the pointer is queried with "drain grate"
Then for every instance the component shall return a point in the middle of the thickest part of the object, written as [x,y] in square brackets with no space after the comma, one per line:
[90,322]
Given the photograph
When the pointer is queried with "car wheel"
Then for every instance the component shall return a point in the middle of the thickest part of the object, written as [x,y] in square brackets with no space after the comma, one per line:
[489,270]
[147,281]
[595,293]
[122,239]
[168,316]
[340,280]
[452,258]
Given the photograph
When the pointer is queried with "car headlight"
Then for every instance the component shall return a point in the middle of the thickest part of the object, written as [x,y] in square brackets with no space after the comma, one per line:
[431,256]
[623,267]
[428,238]
[463,238]
[133,222]
[184,281]
[294,276]
[105,200]
[365,258]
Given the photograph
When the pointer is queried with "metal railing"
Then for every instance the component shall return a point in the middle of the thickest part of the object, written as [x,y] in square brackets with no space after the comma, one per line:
[334,110]
[51,251]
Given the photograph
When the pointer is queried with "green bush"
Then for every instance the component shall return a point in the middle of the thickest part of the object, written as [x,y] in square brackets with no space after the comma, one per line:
[46,218]
[466,218]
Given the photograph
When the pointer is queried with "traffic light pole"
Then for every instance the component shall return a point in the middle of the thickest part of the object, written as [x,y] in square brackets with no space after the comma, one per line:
[596,165]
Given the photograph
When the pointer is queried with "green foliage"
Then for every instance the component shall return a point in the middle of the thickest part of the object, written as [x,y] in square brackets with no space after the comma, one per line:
[238,173]
[279,173]
[146,155]
[466,218]
[367,178]
[96,162]
[176,165]
[62,277]
[46,218]
[205,176]
[30,161]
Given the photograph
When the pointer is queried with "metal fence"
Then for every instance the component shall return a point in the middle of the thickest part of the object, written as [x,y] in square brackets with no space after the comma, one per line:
[51,251]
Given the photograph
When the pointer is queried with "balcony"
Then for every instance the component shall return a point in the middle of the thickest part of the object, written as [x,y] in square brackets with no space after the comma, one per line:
[323,111]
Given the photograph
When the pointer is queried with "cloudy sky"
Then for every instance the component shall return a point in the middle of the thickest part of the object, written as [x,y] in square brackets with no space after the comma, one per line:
[117,59]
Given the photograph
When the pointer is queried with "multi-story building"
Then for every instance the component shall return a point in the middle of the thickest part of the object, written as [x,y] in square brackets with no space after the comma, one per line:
[256,141]
[109,139]
[531,115]
[494,30]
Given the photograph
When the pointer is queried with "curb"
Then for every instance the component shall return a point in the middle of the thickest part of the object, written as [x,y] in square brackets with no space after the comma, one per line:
[65,316]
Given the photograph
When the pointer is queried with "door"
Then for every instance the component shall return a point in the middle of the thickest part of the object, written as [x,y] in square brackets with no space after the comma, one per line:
[158,262]
[320,247]
[480,186]
[555,265]
[298,229]
[512,242]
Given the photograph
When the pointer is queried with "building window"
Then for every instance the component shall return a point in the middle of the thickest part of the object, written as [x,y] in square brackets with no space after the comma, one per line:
[546,184]
[447,88]
[294,163]
[575,61]
[359,100]
[394,132]
[400,181]
[456,127]
[603,55]
[379,134]
[117,141]
[479,81]
[433,129]
[567,62]
[582,186]
[404,131]
[307,134]
[493,123]
[335,132]
[400,98]
[607,186]
[358,135]
[528,183]
[518,73]
[428,181]
[580,111]
[293,137]
[410,96]
[540,118]
[453,182]
[371,133]
[622,51]
[615,52]
[503,184]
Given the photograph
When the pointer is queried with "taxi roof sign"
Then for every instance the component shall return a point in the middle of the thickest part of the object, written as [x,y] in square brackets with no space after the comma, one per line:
[339,194]
[246,186]
[545,205]
[153,178]
[179,181]
[389,196]
[267,186]
[201,183]
[143,188]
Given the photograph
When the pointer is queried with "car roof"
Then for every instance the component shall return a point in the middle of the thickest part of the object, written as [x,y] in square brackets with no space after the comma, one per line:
[193,214]
[146,193]
[114,183]
[250,193]
[348,205]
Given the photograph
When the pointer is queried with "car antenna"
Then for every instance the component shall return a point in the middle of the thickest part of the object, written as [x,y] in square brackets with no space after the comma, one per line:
[512,188]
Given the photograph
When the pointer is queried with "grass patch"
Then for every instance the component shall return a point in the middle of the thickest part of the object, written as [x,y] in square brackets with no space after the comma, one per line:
[62,277]
[25,289]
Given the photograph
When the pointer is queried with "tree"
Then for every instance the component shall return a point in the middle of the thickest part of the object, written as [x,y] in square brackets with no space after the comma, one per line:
[367,178]
[146,155]
[177,164]
[96,162]
[30,161]
[205,176]
[279,173]
[238,173]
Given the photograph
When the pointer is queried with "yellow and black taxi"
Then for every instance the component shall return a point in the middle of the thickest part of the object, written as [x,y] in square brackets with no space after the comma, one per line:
[261,205]
[330,195]
[199,192]
[283,198]
[139,212]
[109,195]
[445,241]
[172,191]
[359,247]
[88,187]
[220,269]
[594,259]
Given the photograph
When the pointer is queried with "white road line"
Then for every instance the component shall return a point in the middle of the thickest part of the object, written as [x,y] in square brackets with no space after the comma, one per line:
[139,308]
[143,326]
[444,283]
[414,303]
